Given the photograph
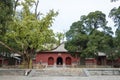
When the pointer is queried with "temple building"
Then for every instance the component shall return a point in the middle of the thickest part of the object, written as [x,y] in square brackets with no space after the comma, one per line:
[57,57]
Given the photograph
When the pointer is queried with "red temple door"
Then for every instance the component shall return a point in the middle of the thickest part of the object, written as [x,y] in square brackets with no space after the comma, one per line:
[50,61]
[68,61]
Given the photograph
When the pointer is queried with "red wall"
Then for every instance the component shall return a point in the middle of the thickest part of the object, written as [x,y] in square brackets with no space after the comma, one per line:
[90,61]
[43,57]
[5,62]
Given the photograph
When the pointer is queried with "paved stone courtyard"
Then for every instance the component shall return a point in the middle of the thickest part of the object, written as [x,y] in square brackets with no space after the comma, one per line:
[59,78]
[56,74]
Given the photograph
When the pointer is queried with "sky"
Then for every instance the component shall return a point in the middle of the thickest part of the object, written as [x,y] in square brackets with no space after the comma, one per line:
[71,10]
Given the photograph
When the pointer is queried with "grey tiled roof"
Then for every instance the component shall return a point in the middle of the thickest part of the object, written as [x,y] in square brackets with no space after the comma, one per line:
[101,54]
[60,48]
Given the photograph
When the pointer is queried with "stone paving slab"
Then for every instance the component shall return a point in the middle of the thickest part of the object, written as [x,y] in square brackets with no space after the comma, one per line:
[14,78]
[59,78]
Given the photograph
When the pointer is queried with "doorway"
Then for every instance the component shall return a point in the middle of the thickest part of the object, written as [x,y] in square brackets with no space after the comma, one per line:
[59,61]
[101,60]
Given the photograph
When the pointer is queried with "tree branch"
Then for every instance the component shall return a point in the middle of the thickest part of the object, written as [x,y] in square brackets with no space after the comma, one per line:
[36,6]
[11,49]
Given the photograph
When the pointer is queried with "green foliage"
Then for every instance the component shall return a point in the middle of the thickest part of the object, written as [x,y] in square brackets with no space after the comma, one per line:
[90,35]
[26,31]
[5,15]
[95,21]
[60,37]
[76,37]
[113,53]
[115,15]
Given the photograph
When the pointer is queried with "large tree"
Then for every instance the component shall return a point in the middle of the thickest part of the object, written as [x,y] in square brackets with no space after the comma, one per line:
[89,35]
[115,15]
[29,31]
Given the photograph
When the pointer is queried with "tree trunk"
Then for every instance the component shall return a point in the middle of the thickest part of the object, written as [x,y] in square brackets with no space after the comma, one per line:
[28,61]
[112,65]
[30,64]
[24,63]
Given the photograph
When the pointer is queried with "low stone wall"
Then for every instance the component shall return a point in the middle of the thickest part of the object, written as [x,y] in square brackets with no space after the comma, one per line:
[102,71]
[38,66]
[12,72]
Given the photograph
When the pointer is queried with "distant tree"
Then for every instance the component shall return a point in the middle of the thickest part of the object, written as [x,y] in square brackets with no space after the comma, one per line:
[115,15]
[85,36]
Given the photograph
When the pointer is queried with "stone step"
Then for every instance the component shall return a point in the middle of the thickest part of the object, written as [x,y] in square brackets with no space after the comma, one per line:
[57,72]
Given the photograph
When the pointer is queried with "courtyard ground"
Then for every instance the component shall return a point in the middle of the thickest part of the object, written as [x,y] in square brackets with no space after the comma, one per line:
[57,74]
[60,78]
